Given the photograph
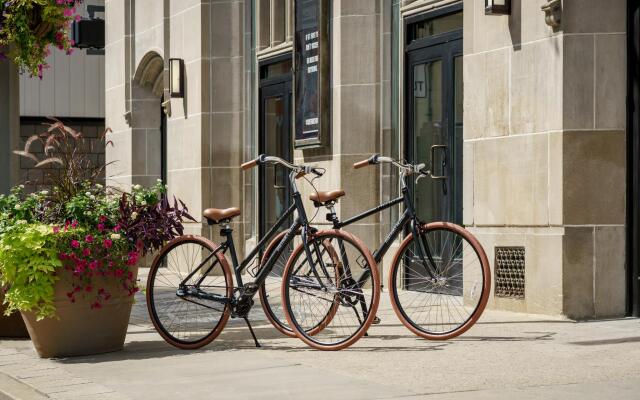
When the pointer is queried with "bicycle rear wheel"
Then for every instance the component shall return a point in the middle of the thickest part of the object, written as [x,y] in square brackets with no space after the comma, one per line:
[271,291]
[189,314]
[324,304]
[447,304]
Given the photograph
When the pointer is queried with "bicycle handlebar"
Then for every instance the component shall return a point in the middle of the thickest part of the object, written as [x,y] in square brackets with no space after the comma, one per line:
[407,168]
[300,170]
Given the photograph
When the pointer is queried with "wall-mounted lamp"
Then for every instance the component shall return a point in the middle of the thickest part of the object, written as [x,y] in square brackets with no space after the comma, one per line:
[497,7]
[176,72]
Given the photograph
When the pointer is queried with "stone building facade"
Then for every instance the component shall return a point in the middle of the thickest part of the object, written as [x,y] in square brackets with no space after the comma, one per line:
[532,111]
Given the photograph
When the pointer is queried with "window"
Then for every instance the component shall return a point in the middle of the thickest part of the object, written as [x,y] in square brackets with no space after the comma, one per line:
[275,20]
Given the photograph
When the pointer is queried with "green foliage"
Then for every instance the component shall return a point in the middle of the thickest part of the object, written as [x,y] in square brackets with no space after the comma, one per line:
[28,262]
[88,205]
[20,207]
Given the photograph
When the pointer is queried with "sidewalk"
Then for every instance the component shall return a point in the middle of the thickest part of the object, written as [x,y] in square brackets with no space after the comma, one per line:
[505,356]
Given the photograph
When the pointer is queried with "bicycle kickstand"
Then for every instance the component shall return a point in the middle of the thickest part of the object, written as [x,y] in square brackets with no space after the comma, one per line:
[255,339]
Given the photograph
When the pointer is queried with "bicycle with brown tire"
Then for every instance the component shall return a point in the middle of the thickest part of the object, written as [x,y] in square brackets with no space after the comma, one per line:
[191,293]
[439,280]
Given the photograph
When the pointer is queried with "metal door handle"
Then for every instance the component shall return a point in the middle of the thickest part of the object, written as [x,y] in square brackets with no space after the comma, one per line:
[444,147]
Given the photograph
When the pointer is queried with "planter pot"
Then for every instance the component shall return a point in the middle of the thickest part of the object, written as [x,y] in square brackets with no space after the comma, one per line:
[80,330]
[11,326]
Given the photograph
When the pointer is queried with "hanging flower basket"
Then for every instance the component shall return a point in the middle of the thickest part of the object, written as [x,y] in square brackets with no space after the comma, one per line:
[30,27]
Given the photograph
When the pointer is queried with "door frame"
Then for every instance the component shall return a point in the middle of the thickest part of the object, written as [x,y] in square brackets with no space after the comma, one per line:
[633,158]
[271,87]
[412,55]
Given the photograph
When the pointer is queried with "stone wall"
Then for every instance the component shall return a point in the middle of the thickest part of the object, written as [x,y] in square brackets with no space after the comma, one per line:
[544,151]
[204,129]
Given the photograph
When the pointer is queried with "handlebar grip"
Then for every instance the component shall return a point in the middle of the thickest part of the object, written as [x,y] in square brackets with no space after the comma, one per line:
[249,164]
[361,164]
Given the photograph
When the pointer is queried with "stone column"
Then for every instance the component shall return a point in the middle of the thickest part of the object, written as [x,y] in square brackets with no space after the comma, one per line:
[544,152]
[9,125]
[356,115]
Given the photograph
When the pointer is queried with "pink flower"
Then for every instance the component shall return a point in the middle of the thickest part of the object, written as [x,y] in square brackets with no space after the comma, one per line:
[107,243]
[75,244]
[117,228]
[68,12]
[100,227]
[88,239]
[133,258]
[74,224]
[93,265]
[86,252]
[56,229]
[119,273]
[60,2]
[78,17]
[102,219]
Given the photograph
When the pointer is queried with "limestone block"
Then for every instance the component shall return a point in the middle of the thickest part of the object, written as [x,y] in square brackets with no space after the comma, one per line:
[594,177]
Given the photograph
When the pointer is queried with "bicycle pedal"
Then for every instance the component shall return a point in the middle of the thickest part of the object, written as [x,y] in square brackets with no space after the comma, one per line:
[376,321]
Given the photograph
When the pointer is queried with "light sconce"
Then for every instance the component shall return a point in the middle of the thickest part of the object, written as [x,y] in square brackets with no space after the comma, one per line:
[497,7]
[176,73]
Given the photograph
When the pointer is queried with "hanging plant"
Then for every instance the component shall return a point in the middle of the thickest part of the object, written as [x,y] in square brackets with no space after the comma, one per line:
[30,27]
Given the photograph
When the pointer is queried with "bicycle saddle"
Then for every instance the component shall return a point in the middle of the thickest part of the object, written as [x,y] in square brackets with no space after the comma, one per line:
[321,198]
[216,215]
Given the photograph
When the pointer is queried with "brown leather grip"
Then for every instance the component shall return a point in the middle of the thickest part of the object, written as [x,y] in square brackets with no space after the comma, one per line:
[300,174]
[361,164]
[249,164]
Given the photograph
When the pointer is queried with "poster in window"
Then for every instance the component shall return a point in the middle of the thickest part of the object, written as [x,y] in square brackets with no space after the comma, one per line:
[311,80]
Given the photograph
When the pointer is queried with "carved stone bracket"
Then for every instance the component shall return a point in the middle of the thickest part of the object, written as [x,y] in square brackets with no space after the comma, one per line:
[553,13]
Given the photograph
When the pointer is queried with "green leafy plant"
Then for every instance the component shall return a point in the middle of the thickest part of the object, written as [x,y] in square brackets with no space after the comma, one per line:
[31,27]
[28,261]
[81,231]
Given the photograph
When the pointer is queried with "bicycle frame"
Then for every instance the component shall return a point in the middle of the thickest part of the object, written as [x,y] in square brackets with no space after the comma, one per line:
[239,268]
[409,216]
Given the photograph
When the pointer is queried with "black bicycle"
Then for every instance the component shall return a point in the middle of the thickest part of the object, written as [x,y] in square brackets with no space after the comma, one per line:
[191,293]
[439,281]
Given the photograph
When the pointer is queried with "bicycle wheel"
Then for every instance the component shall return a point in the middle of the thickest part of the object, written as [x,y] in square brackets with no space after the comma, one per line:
[448,303]
[323,302]
[189,314]
[271,291]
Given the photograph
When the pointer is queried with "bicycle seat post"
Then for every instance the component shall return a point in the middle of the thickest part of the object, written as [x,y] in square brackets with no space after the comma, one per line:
[331,215]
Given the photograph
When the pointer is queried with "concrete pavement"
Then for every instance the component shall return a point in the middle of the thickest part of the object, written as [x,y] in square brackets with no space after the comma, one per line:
[505,356]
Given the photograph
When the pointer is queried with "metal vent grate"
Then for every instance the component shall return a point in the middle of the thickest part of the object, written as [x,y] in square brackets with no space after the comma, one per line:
[509,270]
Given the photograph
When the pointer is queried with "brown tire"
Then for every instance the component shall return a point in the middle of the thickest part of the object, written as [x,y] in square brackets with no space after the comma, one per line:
[334,326]
[448,294]
[220,274]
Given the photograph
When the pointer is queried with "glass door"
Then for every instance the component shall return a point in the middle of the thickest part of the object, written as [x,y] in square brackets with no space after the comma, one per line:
[275,140]
[434,117]
[433,131]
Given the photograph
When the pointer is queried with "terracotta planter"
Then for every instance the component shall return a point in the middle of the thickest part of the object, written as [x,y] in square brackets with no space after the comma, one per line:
[80,330]
[11,326]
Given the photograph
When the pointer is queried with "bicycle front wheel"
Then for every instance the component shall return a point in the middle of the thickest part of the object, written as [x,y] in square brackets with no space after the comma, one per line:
[331,296]
[439,282]
[188,292]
